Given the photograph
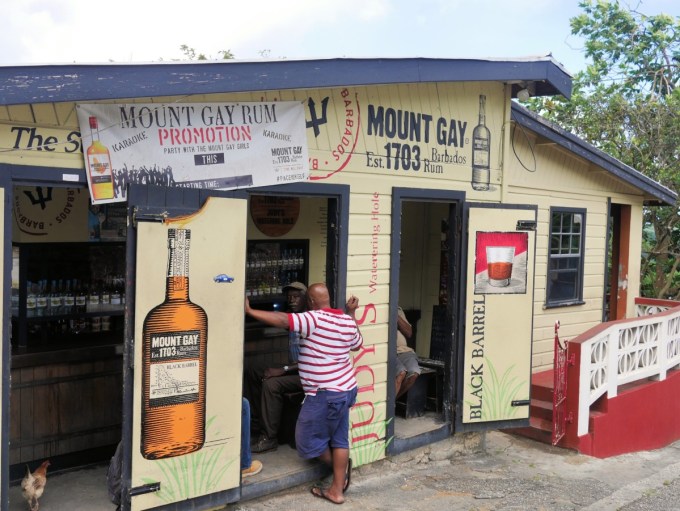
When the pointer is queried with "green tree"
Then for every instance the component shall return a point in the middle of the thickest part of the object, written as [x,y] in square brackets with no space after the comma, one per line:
[627,103]
[190,54]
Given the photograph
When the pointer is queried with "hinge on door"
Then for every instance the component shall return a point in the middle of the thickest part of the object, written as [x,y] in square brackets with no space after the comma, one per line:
[520,402]
[146,488]
[131,362]
[147,217]
[526,225]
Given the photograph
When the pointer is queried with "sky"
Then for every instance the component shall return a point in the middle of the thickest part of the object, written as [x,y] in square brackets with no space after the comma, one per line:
[127,31]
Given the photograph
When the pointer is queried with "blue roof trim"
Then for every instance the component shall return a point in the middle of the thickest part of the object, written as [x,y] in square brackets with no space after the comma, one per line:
[91,82]
[581,148]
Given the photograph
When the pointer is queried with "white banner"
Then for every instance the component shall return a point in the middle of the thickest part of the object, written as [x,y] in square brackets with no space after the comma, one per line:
[194,145]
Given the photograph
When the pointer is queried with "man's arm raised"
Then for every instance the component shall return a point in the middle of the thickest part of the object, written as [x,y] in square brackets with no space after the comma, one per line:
[271,318]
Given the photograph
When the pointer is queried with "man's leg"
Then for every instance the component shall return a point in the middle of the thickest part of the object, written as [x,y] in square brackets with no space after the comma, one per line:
[252,391]
[400,371]
[337,458]
[409,362]
[273,391]
[246,459]
[399,381]
[407,384]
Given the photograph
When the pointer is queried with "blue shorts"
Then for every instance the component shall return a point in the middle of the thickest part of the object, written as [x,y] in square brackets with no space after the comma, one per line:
[324,422]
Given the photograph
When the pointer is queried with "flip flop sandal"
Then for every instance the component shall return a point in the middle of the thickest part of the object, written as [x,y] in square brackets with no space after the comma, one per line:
[348,476]
[320,493]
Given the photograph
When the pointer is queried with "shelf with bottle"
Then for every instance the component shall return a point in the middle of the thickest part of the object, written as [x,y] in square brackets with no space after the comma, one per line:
[65,298]
[58,329]
[270,266]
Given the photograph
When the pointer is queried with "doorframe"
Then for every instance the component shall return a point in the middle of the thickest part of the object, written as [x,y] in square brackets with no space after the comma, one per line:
[336,254]
[618,236]
[12,175]
[6,358]
[457,200]
[338,231]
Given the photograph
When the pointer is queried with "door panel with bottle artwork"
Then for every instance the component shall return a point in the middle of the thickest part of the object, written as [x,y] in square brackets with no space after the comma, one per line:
[183,433]
[496,355]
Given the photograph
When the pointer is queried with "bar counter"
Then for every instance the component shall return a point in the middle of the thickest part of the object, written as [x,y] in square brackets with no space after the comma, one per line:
[66,400]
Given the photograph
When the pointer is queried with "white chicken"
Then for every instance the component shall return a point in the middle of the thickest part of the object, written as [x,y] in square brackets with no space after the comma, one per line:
[33,485]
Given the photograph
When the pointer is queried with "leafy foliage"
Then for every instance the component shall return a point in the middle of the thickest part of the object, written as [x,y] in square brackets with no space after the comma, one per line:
[627,103]
[190,54]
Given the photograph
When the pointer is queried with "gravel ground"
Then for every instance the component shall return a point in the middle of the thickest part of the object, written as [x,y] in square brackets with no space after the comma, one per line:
[513,473]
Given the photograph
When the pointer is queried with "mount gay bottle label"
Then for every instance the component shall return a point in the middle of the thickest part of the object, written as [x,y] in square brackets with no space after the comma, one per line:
[174,375]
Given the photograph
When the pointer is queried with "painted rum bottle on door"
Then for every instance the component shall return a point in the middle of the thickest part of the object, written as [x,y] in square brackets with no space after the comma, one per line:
[174,363]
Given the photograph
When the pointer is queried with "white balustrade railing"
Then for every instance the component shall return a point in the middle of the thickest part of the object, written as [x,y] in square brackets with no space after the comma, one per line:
[625,351]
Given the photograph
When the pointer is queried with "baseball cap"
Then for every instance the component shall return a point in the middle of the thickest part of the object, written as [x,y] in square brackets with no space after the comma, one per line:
[296,285]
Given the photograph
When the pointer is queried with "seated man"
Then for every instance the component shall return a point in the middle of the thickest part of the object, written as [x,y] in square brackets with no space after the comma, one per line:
[406,361]
[266,387]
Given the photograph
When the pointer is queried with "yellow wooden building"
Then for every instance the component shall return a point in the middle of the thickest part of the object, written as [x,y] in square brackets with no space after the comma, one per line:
[419,183]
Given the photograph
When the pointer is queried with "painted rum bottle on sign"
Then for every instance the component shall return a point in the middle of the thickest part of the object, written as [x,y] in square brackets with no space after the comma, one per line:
[99,165]
[481,149]
[175,337]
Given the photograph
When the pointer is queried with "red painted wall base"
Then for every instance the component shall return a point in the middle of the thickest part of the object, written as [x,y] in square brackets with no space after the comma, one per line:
[642,417]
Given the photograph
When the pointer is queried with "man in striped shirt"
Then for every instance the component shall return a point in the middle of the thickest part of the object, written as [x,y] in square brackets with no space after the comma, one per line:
[326,337]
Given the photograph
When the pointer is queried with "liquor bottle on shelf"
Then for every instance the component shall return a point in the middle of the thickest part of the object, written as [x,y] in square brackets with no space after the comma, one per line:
[105,295]
[285,260]
[262,288]
[115,298]
[15,301]
[93,299]
[31,299]
[54,303]
[41,299]
[481,150]
[117,290]
[99,165]
[271,277]
[81,298]
[250,285]
[62,290]
[120,286]
[174,354]
[69,299]
[277,279]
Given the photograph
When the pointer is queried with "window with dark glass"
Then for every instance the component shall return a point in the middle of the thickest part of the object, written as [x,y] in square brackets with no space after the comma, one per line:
[565,256]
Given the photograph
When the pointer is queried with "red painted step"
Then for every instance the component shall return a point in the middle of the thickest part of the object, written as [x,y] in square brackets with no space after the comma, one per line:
[541,410]
[542,386]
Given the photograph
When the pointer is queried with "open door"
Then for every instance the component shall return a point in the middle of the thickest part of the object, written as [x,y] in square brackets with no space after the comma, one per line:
[616,271]
[183,348]
[498,314]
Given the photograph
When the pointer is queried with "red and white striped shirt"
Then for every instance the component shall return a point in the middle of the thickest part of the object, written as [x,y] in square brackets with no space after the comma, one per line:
[326,338]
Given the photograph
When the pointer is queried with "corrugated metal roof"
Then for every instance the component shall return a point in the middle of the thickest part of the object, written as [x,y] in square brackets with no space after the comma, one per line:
[29,84]
[25,84]
[575,145]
